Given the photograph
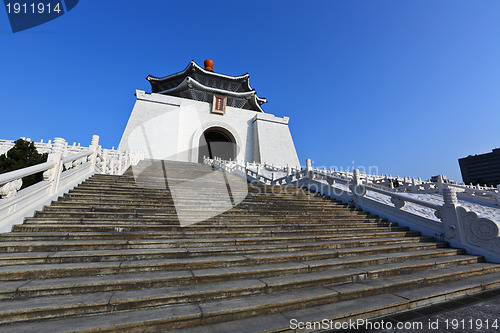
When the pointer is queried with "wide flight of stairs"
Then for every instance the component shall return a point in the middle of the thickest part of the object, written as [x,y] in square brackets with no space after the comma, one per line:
[111,256]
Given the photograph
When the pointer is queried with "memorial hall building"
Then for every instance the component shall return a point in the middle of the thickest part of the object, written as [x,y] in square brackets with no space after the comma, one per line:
[198,113]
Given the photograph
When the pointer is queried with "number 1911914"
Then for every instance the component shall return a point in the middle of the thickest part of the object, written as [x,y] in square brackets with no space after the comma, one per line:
[471,324]
[24,8]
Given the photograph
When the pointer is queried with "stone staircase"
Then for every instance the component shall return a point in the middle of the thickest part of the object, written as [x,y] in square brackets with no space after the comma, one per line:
[112,256]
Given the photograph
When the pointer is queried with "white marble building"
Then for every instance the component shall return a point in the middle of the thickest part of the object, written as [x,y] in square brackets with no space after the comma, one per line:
[198,112]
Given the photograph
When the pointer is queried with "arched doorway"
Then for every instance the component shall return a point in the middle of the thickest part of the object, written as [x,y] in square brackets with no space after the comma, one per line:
[217,142]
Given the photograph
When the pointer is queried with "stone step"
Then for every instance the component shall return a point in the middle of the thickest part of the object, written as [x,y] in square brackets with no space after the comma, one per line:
[201,217]
[219,238]
[346,221]
[50,225]
[65,203]
[351,310]
[189,187]
[164,225]
[203,184]
[339,241]
[128,197]
[226,210]
[44,265]
[240,209]
[162,189]
[198,274]
[241,298]
[131,181]
[123,234]
[186,180]
[111,255]
[160,192]
[123,194]
[164,209]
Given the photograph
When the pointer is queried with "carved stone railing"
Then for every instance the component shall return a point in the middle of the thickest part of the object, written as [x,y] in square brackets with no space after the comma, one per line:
[41,146]
[480,194]
[78,164]
[448,222]
[489,196]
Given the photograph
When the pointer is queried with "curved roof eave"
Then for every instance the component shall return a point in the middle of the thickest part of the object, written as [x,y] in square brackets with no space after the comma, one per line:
[255,103]
[261,100]
[184,71]
[188,82]
[192,65]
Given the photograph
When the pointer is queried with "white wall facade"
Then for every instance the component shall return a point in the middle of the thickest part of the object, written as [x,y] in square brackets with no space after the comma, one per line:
[170,128]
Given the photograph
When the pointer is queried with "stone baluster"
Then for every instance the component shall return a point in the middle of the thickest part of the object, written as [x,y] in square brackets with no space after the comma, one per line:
[330,180]
[440,183]
[120,161]
[449,216]
[356,187]
[129,159]
[54,174]
[309,169]
[112,164]
[109,162]
[414,188]
[94,146]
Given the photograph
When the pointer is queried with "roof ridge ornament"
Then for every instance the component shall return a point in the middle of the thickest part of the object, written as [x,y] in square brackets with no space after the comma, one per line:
[209,65]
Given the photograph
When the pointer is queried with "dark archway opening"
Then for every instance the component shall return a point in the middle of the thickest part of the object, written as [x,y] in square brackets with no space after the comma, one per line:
[216,142]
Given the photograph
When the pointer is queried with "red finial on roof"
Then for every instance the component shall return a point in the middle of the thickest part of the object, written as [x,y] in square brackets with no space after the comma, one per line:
[209,65]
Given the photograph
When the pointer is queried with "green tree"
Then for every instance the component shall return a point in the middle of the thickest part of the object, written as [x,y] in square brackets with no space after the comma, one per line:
[22,155]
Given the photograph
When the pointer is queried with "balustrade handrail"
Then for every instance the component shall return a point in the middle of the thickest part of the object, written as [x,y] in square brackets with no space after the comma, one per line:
[31,170]
[80,163]
[385,192]
[403,197]
[466,188]
[221,164]
[77,156]
[227,165]
[457,225]
[28,171]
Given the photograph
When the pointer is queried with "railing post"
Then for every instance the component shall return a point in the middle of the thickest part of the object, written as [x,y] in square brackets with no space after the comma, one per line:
[54,174]
[357,188]
[120,161]
[94,145]
[309,169]
[440,183]
[414,188]
[105,162]
[356,177]
[112,163]
[449,216]
[126,160]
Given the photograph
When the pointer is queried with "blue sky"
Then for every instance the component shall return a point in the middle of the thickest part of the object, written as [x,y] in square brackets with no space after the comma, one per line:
[407,86]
